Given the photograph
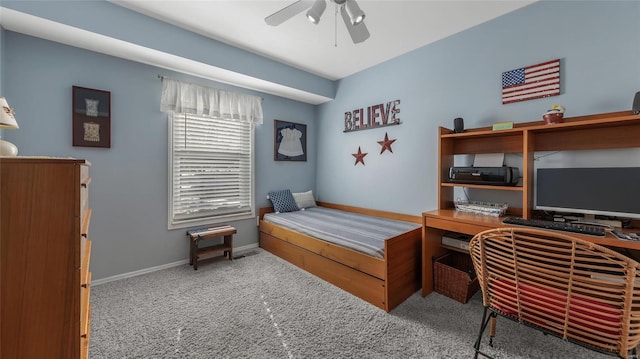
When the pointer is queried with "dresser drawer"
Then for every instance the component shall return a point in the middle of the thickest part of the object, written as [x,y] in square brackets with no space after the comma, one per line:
[84,197]
[85,310]
[85,252]
[84,346]
[84,174]
[84,192]
[85,219]
[85,318]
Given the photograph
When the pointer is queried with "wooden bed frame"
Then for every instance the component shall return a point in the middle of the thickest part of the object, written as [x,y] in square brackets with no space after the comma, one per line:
[384,283]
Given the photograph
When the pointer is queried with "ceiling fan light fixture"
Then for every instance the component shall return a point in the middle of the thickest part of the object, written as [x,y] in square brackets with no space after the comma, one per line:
[348,10]
[316,11]
[355,13]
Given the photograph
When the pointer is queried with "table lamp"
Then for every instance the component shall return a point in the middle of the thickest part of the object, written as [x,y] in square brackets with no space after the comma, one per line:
[7,120]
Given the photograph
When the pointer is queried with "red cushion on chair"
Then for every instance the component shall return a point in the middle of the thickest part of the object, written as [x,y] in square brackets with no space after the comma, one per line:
[553,305]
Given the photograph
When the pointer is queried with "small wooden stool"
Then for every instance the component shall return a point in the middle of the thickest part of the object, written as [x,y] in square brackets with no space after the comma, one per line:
[199,234]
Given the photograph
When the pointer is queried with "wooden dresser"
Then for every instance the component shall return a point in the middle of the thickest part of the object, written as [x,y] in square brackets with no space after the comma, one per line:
[44,211]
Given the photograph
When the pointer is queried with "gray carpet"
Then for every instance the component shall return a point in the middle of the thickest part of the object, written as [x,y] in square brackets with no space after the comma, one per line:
[263,307]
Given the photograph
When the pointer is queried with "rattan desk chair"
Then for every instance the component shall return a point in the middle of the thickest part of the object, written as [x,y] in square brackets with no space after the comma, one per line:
[571,288]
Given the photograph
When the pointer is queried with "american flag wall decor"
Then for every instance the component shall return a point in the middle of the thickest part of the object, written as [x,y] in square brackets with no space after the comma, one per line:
[535,81]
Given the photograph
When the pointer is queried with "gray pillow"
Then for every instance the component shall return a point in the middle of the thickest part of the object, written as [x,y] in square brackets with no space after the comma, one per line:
[304,199]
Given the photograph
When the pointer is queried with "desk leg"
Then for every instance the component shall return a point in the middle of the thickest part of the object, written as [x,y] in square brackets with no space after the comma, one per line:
[431,239]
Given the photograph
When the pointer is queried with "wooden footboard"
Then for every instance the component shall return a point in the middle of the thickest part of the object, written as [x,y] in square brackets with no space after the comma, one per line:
[384,283]
[403,256]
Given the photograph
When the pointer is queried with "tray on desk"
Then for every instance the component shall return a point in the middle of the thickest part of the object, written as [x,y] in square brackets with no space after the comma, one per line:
[482,208]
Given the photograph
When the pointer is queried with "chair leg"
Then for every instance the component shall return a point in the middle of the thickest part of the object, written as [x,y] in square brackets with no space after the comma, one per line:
[483,326]
[492,328]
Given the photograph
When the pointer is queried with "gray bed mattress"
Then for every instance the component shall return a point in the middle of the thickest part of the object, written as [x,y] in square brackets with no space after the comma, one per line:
[356,231]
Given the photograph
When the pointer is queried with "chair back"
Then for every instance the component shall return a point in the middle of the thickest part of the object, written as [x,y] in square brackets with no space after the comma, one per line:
[570,287]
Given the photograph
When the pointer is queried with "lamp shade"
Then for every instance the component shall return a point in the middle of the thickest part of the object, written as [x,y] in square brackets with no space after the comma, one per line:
[316,11]
[355,13]
[7,119]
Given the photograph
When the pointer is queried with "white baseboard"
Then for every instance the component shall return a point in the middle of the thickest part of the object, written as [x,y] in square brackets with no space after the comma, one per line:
[96,282]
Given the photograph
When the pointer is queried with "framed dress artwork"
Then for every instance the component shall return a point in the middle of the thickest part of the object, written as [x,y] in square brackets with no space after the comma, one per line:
[290,141]
[91,117]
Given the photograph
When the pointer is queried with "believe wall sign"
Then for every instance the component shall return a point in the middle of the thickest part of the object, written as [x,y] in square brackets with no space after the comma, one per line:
[380,115]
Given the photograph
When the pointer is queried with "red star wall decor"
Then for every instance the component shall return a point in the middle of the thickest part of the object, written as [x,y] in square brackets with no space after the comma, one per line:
[359,156]
[386,144]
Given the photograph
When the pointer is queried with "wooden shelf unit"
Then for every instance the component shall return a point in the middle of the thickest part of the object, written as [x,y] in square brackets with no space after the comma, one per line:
[602,131]
[613,130]
[45,253]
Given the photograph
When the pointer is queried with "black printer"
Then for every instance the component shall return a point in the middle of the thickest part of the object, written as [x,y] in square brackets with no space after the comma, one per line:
[497,176]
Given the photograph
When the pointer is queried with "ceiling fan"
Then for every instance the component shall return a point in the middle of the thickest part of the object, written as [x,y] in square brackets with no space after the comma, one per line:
[351,13]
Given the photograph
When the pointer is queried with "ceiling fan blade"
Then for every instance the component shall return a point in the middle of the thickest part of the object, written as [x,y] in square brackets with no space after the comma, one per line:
[359,32]
[288,12]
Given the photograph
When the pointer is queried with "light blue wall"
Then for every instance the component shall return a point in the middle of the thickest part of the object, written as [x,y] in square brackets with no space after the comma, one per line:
[1,60]
[128,192]
[2,70]
[599,47]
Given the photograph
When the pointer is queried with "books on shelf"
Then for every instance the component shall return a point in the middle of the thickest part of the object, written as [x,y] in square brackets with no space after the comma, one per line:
[502,126]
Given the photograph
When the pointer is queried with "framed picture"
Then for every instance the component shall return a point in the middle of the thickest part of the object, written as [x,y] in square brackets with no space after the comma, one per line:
[290,141]
[91,111]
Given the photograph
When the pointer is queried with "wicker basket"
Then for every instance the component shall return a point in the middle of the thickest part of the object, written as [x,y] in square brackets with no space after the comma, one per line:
[454,276]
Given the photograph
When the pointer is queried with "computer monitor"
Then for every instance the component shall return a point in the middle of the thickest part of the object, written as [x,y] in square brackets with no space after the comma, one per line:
[610,191]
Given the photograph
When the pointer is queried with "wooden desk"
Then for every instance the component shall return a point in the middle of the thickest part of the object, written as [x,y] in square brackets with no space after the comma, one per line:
[437,222]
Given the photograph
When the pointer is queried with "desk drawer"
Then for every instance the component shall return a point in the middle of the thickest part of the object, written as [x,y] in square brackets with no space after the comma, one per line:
[455,226]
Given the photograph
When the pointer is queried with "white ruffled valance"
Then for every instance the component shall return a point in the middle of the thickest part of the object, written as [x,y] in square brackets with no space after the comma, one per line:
[183,97]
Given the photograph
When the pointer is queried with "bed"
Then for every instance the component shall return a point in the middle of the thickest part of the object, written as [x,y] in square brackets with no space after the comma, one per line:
[384,280]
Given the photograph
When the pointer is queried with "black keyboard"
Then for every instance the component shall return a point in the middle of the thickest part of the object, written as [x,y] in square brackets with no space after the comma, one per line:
[558,226]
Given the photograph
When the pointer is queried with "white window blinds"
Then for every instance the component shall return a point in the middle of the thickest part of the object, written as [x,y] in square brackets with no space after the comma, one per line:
[211,167]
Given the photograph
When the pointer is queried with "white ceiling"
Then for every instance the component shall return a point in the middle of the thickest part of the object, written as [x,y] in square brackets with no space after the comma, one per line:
[396,27]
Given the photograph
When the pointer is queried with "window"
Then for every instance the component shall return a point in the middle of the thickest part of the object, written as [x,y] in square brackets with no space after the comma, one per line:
[211,169]
[210,153]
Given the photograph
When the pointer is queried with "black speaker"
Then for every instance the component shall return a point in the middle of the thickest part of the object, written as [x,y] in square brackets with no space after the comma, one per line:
[458,123]
[636,104]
